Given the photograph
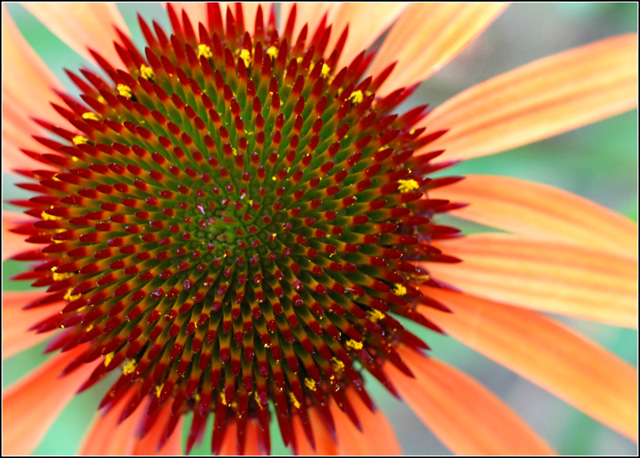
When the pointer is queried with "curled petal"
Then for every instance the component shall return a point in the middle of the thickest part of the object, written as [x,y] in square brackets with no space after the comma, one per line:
[542,99]
[558,359]
[541,212]
[466,417]
[427,36]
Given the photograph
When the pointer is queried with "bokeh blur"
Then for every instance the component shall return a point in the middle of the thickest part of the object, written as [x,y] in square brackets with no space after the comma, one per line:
[598,162]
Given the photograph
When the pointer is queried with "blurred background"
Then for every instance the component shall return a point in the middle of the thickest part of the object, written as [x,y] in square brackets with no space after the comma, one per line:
[598,162]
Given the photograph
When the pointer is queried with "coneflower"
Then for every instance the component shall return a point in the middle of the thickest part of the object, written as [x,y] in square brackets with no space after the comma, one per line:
[237,221]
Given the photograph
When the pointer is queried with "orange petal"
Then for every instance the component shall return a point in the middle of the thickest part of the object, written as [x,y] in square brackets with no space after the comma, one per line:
[13,243]
[366,22]
[30,81]
[324,443]
[17,131]
[546,276]
[32,404]
[309,13]
[250,10]
[427,36]
[229,446]
[542,99]
[377,436]
[16,322]
[107,437]
[197,11]
[149,443]
[82,26]
[251,446]
[558,359]
[466,417]
[541,212]
[26,91]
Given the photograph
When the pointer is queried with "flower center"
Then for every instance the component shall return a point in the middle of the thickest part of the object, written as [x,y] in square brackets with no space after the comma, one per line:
[234,224]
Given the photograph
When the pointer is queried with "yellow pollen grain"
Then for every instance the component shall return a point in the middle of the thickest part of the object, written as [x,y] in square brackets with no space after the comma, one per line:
[325,71]
[399,290]
[124,91]
[71,298]
[273,52]
[338,366]
[204,50]
[354,345]
[310,384]
[223,399]
[234,151]
[356,97]
[90,115]
[245,55]
[273,178]
[196,397]
[108,358]
[159,390]
[147,72]
[293,400]
[80,140]
[375,315]
[412,131]
[102,100]
[48,217]
[408,185]
[129,368]
[57,276]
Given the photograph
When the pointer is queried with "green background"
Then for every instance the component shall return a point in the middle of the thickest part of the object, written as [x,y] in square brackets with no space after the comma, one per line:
[597,161]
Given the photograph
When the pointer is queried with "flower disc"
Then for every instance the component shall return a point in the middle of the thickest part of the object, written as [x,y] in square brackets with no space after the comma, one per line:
[235,223]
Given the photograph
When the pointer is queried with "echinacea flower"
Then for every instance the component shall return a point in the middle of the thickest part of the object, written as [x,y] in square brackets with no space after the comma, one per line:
[234,222]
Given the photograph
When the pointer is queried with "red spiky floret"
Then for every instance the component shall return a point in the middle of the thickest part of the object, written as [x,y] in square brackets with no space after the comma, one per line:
[235,223]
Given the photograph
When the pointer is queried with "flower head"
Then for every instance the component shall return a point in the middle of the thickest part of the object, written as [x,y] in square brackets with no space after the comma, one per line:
[236,221]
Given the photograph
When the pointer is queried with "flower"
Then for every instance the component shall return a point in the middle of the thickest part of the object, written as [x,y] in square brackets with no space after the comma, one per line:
[231,223]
